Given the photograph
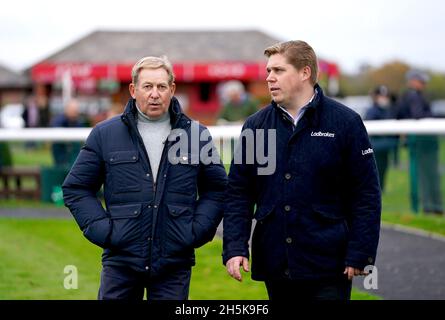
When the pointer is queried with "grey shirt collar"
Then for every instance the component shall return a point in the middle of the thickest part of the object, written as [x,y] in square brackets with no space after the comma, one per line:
[142,117]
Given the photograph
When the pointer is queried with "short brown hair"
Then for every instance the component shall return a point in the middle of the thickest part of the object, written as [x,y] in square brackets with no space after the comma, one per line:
[153,63]
[298,53]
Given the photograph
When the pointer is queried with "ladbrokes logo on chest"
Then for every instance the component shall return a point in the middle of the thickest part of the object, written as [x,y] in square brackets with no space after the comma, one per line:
[367,151]
[322,134]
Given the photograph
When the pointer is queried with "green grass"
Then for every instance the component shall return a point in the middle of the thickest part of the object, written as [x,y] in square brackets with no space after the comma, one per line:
[420,221]
[34,253]
[38,156]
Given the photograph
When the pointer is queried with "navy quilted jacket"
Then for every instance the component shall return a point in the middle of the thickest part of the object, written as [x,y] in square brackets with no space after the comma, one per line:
[320,209]
[144,225]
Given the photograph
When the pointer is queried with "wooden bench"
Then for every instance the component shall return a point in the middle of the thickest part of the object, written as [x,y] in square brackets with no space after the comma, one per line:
[16,175]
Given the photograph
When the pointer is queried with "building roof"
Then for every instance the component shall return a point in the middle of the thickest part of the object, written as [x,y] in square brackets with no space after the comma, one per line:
[196,55]
[179,46]
[12,79]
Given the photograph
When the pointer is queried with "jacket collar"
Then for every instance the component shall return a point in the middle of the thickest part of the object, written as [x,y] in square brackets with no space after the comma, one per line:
[177,118]
[313,108]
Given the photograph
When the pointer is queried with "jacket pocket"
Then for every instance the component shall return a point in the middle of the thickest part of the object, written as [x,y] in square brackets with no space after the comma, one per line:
[182,175]
[328,213]
[124,166]
[262,212]
[97,231]
[176,210]
[178,230]
[126,228]
[323,230]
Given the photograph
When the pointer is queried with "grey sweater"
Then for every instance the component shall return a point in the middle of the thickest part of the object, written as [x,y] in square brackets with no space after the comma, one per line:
[154,133]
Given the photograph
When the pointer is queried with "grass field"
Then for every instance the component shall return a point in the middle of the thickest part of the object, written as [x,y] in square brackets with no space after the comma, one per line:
[34,254]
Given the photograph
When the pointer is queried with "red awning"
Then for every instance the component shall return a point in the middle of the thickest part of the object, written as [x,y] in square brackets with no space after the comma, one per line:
[184,72]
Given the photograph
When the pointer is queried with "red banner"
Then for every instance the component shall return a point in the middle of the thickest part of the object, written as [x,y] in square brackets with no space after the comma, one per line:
[185,72]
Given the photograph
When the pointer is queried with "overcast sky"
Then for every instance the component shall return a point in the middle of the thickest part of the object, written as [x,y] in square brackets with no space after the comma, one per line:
[349,32]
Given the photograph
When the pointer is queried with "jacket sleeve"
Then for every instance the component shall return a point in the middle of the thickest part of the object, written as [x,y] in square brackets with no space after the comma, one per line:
[239,202]
[80,189]
[212,182]
[364,196]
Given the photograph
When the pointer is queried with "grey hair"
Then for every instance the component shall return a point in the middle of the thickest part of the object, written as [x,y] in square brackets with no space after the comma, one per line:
[153,63]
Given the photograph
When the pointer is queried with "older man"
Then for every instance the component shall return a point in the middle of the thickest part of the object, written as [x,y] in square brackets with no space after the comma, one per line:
[153,218]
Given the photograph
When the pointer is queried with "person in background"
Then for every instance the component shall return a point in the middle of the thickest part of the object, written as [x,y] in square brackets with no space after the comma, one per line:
[35,115]
[64,153]
[31,112]
[238,103]
[383,146]
[424,149]
[36,112]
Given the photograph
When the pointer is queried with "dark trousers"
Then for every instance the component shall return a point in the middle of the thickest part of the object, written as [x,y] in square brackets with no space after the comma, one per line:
[297,290]
[127,284]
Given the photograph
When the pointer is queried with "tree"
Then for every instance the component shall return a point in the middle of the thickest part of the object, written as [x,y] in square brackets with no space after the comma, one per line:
[391,74]
[436,86]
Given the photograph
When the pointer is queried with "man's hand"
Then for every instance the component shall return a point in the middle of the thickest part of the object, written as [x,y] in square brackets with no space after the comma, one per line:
[351,272]
[233,266]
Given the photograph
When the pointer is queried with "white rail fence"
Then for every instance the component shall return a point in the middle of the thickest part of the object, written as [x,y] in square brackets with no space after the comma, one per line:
[381,127]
